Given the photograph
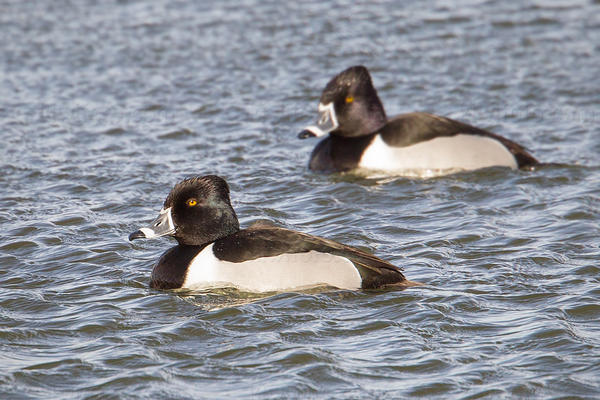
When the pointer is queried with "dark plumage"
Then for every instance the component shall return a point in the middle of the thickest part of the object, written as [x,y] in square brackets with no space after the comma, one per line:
[353,116]
[206,227]
[267,241]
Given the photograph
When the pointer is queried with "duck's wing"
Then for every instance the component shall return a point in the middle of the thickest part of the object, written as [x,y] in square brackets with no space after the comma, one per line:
[265,240]
[412,128]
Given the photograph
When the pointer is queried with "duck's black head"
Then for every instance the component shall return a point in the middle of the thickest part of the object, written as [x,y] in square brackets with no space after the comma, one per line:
[197,211]
[349,106]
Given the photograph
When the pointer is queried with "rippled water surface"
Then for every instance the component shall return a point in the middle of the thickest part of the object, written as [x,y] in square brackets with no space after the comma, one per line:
[105,105]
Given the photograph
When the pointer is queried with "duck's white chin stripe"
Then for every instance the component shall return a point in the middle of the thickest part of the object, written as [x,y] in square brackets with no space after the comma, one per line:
[327,120]
[169,218]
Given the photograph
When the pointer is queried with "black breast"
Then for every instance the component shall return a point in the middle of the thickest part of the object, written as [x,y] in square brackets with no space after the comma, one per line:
[337,153]
[171,269]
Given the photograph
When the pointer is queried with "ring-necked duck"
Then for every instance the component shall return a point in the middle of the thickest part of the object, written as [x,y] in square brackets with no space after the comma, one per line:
[213,251]
[361,136]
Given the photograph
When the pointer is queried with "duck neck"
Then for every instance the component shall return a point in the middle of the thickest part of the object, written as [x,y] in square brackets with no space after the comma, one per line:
[346,152]
[221,226]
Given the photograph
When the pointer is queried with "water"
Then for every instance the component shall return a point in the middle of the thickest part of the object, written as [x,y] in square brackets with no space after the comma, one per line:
[105,105]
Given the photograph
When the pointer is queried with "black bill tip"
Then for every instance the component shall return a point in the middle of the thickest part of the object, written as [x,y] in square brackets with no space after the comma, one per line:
[137,235]
[306,134]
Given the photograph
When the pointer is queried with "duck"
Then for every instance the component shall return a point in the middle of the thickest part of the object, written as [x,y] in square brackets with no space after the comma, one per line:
[360,136]
[212,251]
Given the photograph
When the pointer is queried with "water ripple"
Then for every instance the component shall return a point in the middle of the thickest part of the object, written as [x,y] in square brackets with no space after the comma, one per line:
[106,105]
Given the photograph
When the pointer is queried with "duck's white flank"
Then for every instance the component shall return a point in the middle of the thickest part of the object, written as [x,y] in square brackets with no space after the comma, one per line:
[459,152]
[286,271]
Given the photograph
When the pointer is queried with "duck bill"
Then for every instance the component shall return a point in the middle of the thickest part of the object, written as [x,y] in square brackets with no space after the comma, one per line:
[161,226]
[327,122]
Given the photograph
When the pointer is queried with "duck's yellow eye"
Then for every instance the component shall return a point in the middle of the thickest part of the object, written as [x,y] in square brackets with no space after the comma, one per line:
[349,99]
[191,202]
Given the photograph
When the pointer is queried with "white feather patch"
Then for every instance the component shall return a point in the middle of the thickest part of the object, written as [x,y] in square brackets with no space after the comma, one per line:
[460,152]
[282,272]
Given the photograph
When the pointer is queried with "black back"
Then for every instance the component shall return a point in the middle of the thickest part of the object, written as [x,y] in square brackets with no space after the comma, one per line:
[408,129]
[269,241]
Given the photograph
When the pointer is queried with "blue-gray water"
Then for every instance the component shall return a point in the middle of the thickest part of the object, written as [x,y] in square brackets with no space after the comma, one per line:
[105,105]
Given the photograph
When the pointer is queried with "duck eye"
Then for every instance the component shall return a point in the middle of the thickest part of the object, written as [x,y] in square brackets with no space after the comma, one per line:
[349,99]
[191,202]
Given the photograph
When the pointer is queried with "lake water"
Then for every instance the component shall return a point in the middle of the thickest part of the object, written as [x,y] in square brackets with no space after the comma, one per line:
[104,106]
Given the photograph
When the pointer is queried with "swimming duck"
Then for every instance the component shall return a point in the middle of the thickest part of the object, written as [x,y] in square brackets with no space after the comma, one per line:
[213,251]
[361,136]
